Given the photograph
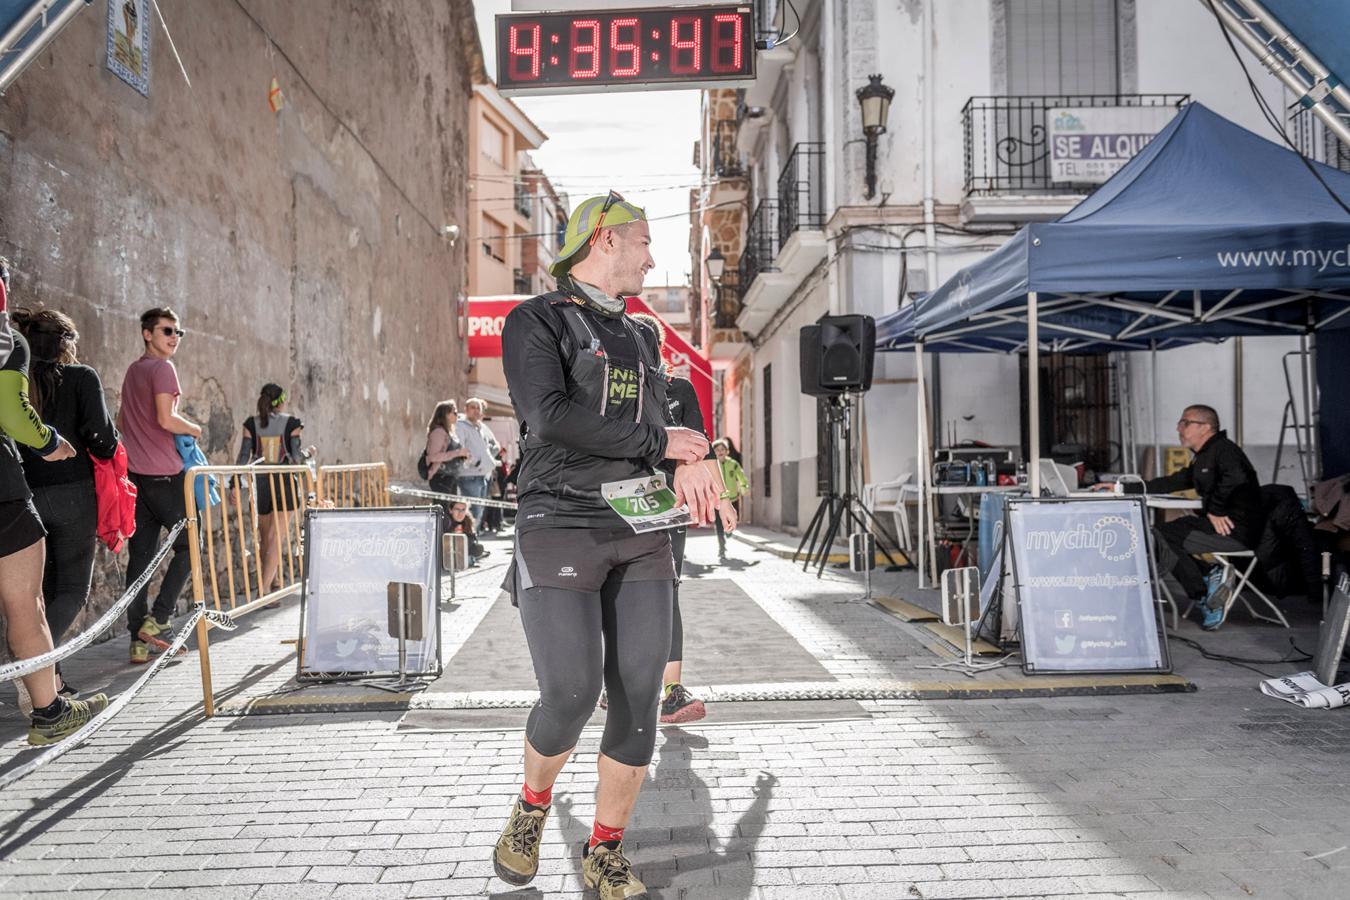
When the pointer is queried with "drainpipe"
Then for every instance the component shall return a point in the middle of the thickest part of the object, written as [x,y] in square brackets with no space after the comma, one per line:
[929,180]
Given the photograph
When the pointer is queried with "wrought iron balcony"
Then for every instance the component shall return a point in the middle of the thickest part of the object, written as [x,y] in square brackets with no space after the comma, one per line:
[761,242]
[726,161]
[727,300]
[800,205]
[1007,139]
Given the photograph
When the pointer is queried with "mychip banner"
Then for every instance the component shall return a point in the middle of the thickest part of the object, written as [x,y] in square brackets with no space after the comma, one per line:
[1084,586]
[352,556]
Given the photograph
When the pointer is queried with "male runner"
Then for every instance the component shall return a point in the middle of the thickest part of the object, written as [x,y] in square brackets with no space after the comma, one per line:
[595,597]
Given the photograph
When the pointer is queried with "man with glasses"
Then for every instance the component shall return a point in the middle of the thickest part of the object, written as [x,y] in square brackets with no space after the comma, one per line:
[595,594]
[149,419]
[1232,518]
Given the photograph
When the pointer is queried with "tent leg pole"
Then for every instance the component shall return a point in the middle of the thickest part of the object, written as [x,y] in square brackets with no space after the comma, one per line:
[1034,388]
[920,460]
[1312,469]
[1153,412]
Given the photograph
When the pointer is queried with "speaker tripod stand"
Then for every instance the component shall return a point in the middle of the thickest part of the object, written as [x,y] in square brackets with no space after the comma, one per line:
[840,514]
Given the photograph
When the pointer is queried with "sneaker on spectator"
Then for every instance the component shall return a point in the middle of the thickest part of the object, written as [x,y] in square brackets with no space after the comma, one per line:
[157,635]
[140,652]
[1211,618]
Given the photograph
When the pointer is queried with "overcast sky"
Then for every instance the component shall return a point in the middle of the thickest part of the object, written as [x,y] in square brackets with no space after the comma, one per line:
[639,143]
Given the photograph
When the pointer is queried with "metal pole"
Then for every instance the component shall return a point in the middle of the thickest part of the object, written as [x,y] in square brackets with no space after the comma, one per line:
[920,458]
[1300,54]
[1237,390]
[1153,407]
[1034,388]
[1278,67]
[1310,465]
[402,634]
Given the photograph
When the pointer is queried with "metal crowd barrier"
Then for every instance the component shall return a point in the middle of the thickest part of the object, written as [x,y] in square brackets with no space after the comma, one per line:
[237,547]
[357,485]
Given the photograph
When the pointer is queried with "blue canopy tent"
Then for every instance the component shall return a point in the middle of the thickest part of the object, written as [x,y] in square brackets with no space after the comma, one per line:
[1209,232]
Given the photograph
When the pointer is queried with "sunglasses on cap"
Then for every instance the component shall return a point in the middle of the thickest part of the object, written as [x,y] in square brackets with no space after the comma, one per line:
[170,331]
[614,197]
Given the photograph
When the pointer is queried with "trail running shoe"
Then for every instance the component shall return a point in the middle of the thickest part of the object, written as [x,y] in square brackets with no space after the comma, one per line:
[158,635]
[140,652]
[606,869]
[679,706]
[516,856]
[74,715]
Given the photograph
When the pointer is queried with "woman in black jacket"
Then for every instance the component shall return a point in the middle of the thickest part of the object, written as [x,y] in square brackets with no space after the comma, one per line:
[69,397]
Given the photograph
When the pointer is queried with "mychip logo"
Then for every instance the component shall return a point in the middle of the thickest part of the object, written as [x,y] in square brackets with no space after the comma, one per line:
[399,544]
[1113,537]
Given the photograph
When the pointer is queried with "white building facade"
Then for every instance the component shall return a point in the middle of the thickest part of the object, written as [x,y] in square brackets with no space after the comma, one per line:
[962,164]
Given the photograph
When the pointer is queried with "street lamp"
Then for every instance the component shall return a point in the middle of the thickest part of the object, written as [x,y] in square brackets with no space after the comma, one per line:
[716,264]
[875,100]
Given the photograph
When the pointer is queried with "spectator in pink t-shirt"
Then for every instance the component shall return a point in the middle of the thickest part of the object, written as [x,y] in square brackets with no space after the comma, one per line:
[148,420]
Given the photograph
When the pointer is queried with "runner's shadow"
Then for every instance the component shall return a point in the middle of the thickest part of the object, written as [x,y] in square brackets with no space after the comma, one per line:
[675,811]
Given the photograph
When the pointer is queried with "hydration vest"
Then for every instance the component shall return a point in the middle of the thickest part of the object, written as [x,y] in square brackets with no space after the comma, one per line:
[588,368]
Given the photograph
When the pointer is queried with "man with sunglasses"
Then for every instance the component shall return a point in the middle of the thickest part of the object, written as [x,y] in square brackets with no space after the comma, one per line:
[149,419]
[1230,494]
[595,595]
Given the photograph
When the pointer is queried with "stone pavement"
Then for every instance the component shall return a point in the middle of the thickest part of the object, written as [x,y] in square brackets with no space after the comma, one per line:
[1218,793]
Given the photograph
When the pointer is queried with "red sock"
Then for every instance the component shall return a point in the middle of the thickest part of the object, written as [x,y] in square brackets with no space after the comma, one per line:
[601,833]
[537,798]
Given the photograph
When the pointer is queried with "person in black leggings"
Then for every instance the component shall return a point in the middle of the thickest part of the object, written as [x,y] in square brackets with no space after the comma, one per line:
[69,397]
[678,705]
[595,596]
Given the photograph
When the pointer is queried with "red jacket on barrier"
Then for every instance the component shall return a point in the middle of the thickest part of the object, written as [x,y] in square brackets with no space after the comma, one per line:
[116,499]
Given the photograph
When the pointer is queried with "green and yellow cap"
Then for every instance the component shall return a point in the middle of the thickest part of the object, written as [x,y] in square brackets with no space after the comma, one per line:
[589,216]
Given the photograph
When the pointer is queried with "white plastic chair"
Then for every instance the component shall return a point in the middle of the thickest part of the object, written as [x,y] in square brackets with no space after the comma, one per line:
[891,497]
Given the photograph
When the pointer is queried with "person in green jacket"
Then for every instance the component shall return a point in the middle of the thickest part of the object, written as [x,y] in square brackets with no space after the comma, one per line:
[735,486]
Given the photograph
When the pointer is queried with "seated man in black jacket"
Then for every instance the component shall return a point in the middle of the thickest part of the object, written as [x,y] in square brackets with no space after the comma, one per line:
[1231,505]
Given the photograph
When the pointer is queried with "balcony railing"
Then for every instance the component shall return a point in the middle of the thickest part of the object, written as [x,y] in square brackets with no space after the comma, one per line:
[725,159]
[520,282]
[799,191]
[761,242]
[1318,142]
[523,201]
[727,303]
[1007,139]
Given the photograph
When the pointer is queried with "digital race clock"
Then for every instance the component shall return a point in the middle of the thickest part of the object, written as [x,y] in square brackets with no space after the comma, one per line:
[655,48]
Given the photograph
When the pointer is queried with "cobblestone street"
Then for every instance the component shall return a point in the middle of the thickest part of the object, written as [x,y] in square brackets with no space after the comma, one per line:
[1221,792]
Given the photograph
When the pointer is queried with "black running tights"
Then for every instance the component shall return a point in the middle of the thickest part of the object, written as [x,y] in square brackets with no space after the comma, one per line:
[677,538]
[618,637]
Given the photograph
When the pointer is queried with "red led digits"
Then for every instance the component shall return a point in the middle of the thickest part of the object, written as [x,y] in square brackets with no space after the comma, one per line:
[617,49]
[590,47]
[686,54]
[726,43]
[525,58]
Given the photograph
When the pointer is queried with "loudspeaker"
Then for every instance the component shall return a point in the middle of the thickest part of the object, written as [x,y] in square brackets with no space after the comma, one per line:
[836,355]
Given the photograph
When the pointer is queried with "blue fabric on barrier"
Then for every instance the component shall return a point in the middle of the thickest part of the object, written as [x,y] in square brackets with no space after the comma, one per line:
[991,531]
[1206,209]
